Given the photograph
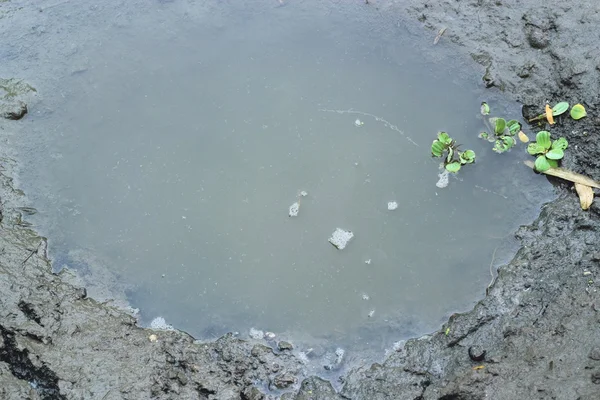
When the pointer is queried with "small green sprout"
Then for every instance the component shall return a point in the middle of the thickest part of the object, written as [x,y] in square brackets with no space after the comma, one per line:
[485,109]
[548,153]
[445,146]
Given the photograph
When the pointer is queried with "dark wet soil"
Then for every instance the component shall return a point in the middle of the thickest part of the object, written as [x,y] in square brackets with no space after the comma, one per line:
[538,326]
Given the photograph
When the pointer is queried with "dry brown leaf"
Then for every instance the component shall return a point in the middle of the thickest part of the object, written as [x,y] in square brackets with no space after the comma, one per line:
[586,195]
[479,367]
[523,137]
[567,175]
[549,115]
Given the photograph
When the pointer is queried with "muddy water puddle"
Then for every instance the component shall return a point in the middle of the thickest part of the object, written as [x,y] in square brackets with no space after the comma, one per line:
[179,141]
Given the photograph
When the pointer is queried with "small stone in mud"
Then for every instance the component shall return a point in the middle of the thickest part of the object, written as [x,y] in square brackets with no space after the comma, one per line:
[595,354]
[14,110]
[340,238]
[284,380]
[537,38]
[284,346]
[596,378]
[269,335]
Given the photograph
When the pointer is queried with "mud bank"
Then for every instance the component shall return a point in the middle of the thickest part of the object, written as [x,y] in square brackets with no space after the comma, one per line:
[537,329]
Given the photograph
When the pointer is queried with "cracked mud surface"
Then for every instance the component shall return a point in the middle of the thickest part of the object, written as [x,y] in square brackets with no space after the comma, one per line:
[539,325]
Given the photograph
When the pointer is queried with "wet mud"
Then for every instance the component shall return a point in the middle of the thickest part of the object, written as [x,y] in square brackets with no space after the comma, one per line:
[535,335]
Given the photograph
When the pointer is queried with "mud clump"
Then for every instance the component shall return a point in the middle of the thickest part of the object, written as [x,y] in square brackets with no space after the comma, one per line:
[13,110]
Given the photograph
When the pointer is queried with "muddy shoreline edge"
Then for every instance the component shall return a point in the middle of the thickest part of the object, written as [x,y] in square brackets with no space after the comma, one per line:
[539,324]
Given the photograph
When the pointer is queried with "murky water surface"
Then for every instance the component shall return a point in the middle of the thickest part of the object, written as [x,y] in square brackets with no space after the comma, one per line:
[176,139]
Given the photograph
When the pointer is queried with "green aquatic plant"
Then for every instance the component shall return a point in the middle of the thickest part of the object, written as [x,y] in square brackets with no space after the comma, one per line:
[503,133]
[578,112]
[548,152]
[446,147]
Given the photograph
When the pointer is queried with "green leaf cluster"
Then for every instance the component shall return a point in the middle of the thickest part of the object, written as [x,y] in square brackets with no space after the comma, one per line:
[504,132]
[548,152]
[444,146]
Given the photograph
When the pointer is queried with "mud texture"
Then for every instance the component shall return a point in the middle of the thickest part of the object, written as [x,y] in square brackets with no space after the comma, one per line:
[538,329]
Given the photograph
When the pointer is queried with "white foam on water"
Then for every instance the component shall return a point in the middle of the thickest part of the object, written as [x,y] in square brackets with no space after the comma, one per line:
[256,334]
[160,324]
[443,179]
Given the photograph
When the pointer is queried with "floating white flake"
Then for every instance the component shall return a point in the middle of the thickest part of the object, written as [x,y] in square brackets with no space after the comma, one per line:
[294,208]
[392,205]
[340,238]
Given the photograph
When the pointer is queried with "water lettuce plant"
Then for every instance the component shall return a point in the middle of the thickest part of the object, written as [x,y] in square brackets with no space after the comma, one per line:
[446,147]
[503,133]
[548,152]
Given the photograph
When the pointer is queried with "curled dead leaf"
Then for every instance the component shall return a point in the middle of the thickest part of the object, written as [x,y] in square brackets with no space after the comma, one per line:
[549,115]
[523,137]
[586,195]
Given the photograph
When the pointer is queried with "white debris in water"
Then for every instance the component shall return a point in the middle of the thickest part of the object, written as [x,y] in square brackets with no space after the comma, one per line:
[160,324]
[303,357]
[392,205]
[396,347]
[270,335]
[399,345]
[358,122]
[443,181]
[368,262]
[365,296]
[294,208]
[304,193]
[256,334]
[340,238]
[371,313]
